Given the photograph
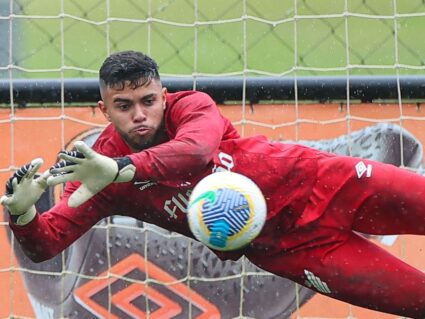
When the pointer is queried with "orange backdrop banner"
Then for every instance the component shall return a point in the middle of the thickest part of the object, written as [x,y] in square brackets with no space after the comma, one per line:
[42,132]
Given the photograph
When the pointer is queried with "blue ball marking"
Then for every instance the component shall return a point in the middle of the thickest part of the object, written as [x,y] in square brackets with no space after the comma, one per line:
[230,207]
[219,233]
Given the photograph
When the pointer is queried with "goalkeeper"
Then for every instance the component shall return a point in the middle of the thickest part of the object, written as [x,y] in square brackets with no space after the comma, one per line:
[159,145]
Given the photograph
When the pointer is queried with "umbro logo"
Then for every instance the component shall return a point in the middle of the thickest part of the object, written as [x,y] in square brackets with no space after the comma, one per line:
[169,301]
[362,168]
[144,184]
[314,281]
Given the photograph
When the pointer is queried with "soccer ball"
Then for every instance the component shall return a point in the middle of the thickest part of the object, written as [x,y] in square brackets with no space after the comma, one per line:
[226,211]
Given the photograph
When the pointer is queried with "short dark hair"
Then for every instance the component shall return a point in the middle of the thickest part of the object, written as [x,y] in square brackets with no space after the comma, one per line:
[127,68]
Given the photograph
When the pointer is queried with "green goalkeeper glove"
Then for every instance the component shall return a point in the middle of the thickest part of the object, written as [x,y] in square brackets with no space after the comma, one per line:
[93,170]
[23,190]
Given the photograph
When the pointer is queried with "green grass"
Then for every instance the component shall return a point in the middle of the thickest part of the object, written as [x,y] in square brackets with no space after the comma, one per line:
[316,43]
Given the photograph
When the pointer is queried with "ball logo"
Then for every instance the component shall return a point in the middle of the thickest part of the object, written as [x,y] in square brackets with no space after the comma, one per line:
[224,214]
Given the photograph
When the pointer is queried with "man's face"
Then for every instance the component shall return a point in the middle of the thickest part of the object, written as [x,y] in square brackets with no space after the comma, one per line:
[136,113]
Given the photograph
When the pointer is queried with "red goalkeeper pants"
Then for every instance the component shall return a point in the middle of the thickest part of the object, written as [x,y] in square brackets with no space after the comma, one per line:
[328,255]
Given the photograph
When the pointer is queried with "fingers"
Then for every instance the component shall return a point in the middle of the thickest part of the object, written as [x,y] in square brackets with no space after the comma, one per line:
[62,167]
[76,154]
[16,178]
[5,200]
[9,188]
[73,156]
[44,176]
[21,172]
[42,179]
[27,170]
[84,149]
[14,184]
[37,162]
[80,196]
[59,173]
[23,178]
[69,158]
[64,171]
[34,167]
[53,180]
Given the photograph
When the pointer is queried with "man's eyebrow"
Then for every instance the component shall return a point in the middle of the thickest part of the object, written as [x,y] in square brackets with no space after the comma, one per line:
[121,99]
[148,96]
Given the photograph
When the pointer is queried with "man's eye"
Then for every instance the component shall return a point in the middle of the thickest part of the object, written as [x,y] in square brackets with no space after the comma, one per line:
[123,107]
[148,102]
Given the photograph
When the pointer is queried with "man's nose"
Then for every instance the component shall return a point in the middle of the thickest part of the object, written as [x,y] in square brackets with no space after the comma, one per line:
[139,113]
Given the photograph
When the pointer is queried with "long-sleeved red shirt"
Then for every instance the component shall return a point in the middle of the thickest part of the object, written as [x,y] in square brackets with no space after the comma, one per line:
[200,141]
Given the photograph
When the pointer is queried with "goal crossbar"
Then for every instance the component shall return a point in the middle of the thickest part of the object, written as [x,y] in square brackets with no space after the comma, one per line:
[250,89]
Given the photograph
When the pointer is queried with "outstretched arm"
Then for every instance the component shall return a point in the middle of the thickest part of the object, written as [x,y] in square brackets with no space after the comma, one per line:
[52,231]
[44,236]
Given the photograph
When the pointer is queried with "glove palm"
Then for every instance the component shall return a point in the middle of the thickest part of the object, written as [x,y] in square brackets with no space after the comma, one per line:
[93,170]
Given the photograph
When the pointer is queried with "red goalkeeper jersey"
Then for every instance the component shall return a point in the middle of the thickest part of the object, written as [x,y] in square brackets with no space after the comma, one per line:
[201,141]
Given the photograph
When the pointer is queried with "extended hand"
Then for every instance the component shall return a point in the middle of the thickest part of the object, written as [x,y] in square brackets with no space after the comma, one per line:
[93,170]
[23,190]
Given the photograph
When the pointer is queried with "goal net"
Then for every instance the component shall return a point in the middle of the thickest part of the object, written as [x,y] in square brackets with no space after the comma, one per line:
[124,268]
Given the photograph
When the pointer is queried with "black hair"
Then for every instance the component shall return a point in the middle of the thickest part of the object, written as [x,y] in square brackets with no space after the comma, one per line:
[127,68]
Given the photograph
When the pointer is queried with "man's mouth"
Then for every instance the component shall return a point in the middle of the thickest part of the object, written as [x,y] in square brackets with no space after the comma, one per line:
[142,130]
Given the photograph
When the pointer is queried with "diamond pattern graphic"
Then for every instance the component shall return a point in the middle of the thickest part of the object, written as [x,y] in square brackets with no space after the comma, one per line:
[124,298]
[168,308]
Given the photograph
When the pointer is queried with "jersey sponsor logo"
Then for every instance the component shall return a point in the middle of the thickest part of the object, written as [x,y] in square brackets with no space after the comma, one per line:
[178,202]
[161,295]
[144,184]
[362,168]
[316,282]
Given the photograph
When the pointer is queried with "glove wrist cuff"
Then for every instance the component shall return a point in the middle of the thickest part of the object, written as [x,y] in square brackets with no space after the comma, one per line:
[25,218]
[126,170]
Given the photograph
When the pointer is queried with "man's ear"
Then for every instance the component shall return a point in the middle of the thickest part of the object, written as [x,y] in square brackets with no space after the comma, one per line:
[104,110]
[164,97]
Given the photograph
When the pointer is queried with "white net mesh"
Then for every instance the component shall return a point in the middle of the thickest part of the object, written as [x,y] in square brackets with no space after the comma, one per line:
[123,269]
